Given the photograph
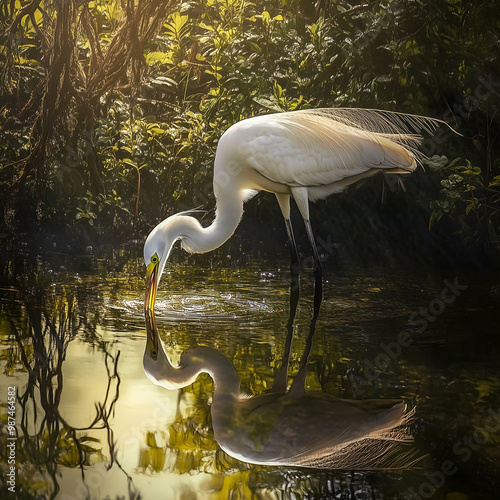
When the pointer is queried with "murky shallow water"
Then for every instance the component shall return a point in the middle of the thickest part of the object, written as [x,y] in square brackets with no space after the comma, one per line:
[72,346]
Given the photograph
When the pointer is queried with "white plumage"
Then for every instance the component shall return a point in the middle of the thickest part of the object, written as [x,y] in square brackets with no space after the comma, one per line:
[307,155]
[310,149]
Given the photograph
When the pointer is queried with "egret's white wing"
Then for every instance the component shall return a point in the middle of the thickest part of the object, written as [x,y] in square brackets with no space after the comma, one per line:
[323,147]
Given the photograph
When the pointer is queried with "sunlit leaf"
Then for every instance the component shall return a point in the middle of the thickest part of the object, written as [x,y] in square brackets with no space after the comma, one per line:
[158,58]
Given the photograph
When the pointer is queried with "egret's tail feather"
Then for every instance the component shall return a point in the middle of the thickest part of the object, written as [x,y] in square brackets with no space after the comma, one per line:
[400,128]
[381,121]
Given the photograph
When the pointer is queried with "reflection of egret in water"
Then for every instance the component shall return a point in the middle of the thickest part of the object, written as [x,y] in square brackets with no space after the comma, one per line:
[286,427]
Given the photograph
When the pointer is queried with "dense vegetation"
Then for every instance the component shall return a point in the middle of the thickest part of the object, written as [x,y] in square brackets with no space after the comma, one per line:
[111,112]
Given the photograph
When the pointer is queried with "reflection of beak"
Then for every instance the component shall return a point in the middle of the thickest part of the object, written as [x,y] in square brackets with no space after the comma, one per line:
[152,341]
[149,303]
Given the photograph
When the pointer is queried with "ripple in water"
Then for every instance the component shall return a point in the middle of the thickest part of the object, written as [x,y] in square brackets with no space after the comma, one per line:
[191,307]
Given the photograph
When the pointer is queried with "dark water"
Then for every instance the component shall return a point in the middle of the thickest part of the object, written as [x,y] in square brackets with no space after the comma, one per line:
[89,424]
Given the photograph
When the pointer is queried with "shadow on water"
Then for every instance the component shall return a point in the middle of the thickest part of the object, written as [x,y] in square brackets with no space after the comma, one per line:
[90,425]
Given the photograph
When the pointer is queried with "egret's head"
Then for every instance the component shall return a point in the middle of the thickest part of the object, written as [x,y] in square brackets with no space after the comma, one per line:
[158,245]
[156,252]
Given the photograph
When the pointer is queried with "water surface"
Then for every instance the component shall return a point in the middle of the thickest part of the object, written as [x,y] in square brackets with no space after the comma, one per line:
[91,425]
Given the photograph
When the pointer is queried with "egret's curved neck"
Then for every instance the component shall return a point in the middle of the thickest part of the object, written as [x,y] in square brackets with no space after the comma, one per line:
[193,362]
[198,239]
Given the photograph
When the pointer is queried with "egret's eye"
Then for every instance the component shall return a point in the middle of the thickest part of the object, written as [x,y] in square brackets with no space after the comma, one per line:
[154,259]
[153,353]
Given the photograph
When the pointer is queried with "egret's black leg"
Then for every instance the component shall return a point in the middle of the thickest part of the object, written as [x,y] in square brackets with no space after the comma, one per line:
[318,270]
[284,203]
[294,253]
[312,241]
[294,275]
[301,197]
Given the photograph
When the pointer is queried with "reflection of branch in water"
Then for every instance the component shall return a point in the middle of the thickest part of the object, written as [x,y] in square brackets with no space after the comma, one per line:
[46,440]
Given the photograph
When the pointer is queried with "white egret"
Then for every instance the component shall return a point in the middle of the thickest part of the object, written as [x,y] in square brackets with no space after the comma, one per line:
[307,155]
[294,427]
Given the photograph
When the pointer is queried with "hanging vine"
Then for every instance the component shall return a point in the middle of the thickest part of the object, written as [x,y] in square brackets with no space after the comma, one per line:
[69,90]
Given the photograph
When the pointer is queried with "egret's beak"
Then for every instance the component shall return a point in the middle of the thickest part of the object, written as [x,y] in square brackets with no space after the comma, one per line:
[149,303]
[151,285]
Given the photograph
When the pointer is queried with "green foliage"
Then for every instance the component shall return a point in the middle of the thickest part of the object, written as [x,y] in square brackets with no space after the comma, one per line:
[469,199]
[133,129]
[91,208]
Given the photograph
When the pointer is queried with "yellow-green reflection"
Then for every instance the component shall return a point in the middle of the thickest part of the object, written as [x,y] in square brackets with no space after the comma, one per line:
[43,330]
[452,369]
